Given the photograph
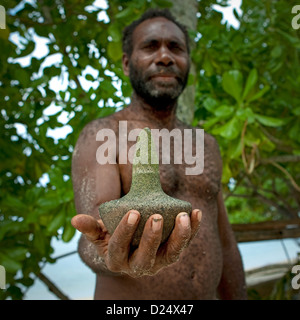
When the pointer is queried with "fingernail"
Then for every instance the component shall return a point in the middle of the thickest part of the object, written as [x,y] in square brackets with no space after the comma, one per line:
[132,218]
[156,223]
[185,220]
[199,215]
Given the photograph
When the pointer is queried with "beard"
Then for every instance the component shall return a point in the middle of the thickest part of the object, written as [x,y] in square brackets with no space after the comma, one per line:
[159,94]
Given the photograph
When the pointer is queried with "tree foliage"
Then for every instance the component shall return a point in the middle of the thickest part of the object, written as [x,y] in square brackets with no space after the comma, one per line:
[248,98]
[247,84]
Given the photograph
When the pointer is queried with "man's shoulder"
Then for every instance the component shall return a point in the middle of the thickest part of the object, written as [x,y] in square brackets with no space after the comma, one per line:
[93,127]
[209,140]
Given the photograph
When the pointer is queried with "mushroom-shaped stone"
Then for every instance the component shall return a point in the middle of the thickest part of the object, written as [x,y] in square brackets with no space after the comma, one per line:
[145,194]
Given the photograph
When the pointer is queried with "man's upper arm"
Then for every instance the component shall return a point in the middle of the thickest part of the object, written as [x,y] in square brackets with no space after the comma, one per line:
[93,183]
[232,283]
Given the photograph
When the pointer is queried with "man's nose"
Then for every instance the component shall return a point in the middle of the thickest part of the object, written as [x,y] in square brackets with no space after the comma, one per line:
[164,57]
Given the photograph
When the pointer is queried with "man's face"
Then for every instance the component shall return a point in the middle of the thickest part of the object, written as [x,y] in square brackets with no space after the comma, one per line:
[159,64]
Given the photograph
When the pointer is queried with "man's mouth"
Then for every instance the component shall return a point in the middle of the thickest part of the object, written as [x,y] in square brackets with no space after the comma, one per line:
[163,73]
[164,76]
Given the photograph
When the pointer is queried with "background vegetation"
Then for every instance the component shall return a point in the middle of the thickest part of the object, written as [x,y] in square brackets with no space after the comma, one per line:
[61,68]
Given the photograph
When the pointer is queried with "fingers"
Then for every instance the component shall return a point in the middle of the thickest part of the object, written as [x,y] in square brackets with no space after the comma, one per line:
[185,229]
[119,244]
[144,257]
[150,256]
[178,239]
[196,217]
[89,226]
[123,234]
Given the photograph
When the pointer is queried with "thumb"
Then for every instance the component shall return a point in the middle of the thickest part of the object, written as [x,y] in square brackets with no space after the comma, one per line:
[89,226]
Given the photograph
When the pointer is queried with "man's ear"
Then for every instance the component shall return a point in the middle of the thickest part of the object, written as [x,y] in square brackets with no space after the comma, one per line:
[125,63]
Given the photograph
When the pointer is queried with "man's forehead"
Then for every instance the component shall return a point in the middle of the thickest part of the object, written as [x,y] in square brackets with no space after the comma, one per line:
[156,28]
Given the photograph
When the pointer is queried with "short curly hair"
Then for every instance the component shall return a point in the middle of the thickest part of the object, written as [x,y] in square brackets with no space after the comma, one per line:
[127,44]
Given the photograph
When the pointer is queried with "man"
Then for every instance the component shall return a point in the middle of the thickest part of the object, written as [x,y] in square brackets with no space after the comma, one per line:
[192,263]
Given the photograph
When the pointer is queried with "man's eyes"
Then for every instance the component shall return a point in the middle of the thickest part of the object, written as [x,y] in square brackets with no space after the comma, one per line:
[176,46]
[151,45]
[173,46]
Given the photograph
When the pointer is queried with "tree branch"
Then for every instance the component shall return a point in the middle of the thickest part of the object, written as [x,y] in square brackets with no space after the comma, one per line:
[282,159]
[279,144]
[282,210]
[291,179]
[52,287]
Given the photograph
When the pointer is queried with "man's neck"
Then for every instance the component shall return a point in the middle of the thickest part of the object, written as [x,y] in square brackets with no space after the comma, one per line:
[162,116]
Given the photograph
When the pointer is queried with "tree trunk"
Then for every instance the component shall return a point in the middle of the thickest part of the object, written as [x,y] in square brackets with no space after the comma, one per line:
[186,14]
[268,230]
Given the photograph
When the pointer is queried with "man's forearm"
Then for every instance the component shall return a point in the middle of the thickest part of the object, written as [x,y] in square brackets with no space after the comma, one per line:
[232,285]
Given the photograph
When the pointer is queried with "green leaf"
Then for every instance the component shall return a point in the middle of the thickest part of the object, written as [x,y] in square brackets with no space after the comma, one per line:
[294,132]
[126,13]
[49,201]
[210,104]
[114,51]
[252,137]
[163,3]
[276,52]
[14,203]
[267,145]
[52,72]
[269,121]
[27,282]
[9,264]
[233,84]
[224,111]
[293,40]
[40,242]
[210,123]
[89,77]
[56,177]
[126,89]
[237,16]
[246,114]
[18,253]
[235,148]
[28,50]
[69,232]
[23,76]
[296,111]
[259,94]
[230,130]
[115,32]
[208,67]
[57,222]
[250,83]
[227,174]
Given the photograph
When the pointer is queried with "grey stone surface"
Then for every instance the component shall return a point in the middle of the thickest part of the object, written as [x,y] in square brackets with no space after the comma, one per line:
[145,195]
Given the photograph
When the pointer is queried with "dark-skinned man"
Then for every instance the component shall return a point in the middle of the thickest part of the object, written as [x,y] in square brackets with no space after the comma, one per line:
[200,259]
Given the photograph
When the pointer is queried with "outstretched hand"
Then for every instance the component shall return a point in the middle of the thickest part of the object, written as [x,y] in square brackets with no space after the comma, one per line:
[150,256]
